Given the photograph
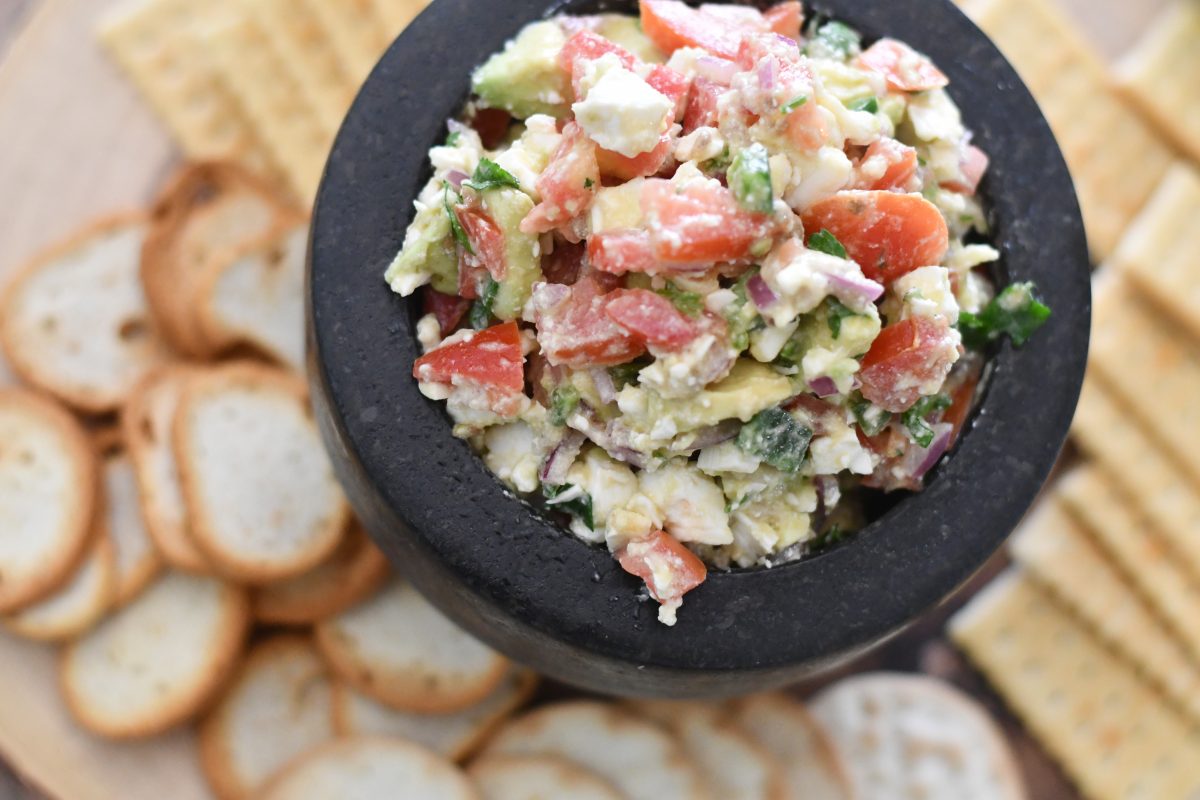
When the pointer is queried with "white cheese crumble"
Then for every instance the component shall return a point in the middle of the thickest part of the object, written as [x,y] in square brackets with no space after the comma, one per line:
[838,449]
[620,111]
[926,292]
[693,505]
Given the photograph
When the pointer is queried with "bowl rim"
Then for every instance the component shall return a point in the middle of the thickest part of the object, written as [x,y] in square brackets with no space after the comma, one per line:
[541,595]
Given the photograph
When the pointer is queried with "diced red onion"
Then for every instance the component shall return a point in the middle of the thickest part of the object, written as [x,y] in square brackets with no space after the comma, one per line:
[715,434]
[554,469]
[630,456]
[604,385]
[942,434]
[456,178]
[760,293]
[823,386]
[768,74]
[717,70]
[848,287]
[454,126]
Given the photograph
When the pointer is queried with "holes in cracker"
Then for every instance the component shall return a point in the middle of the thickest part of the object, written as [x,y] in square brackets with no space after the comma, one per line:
[133,330]
[275,258]
[49,325]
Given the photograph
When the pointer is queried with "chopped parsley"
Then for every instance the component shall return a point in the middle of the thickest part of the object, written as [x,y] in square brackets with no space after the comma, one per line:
[837,313]
[579,504]
[718,164]
[825,242]
[689,303]
[490,175]
[453,139]
[915,419]
[777,438]
[625,374]
[750,179]
[588,183]
[829,538]
[870,104]
[870,418]
[456,227]
[481,310]
[1016,311]
[563,402]
[792,105]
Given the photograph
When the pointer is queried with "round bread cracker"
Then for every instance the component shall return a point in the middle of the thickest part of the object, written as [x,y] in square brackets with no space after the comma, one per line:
[813,767]
[255,295]
[538,778]
[263,503]
[400,650]
[78,605]
[455,736]
[136,560]
[75,321]
[371,769]
[146,426]
[157,662]
[208,209]
[637,757]
[355,571]
[916,737]
[277,708]
[733,764]
[48,495]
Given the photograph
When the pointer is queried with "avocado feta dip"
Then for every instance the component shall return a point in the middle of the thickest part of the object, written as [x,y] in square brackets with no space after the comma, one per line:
[694,277]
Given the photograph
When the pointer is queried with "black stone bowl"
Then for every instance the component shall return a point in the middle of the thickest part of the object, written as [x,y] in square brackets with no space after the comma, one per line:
[522,584]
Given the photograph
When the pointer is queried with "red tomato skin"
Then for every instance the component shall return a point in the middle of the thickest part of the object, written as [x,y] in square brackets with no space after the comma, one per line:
[786,19]
[671,84]
[619,252]
[901,163]
[887,233]
[486,238]
[903,356]
[700,224]
[568,184]
[702,108]
[906,70]
[648,558]
[492,359]
[575,331]
[624,168]
[651,317]
[671,24]
[565,263]
[586,46]
[974,166]
[449,309]
[492,125]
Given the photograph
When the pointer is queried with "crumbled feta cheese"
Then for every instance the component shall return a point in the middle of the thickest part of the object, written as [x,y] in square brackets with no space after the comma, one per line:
[926,292]
[429,332]
[718,301]
[963,257]
[618,207]
[726,457]
[766,344]
[527,158]
[620,111]
[821,362]
[700,145]
[609,483]
[765,527]
[974,292]
[934,117]
[693,505]
[801,279]
[683,373]
[838,449]
[817,176]
[511,452]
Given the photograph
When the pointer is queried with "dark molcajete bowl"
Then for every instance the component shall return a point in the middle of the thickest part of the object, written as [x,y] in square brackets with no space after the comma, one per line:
[521,583]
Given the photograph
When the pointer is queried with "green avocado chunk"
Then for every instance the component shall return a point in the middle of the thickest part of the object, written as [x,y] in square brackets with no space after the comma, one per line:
[526,78]
[428,255]
[507,207]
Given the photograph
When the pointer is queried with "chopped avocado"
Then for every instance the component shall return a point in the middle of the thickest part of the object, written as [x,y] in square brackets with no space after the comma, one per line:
[428,255]
[777,438]
[507,207]
[750,388]
[627,32]
[526,79]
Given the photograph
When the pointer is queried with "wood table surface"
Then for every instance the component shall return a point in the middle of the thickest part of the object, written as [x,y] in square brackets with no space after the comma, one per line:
[1112,25]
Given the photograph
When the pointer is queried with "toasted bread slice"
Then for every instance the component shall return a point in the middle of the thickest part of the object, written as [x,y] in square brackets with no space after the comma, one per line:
[48,494]
[536,777]
[76,606]
[158,661]
[209,209]
[255,296]
[263,503]
[136,561]
[637,757]
[455,736]
[277,708]
[813,767]
[400,650]
[75,321]
[355,571]
[371,769]
[146,425]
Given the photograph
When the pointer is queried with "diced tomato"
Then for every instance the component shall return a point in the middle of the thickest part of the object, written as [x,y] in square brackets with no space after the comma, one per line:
[651,317]
[568,184]
[700,224]
[624,168]
[448,308]
[471,275]
[671,84]
[619,252]
[906,70]
[904,356]
[807,127]
[974,166]
[755,46]
[786,19]
[672,24]
[574,331]
[490,359]
[492,125]
[888,234]
[669,569]
[587,46]
[564,264]
[887,165]
[486,238]
[702,105]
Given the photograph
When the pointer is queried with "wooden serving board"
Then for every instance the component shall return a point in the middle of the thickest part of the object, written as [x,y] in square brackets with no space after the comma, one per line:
[76,141]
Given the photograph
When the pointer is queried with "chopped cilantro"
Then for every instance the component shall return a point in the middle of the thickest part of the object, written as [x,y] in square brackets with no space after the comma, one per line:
[930,192]
[580,506]
[825,242]
[921,162]
[563,402]
[1016,311]
[453,139]
[490,175]
[718,164]
[829,538]
[870,104]
[741,315]
[625,374]
[916,418]
[871,418]
[837,313]
[588,183]
[776,437]
[481,310]
[789,354]
[793,104]
[750,179]
[456,227]
[689,303]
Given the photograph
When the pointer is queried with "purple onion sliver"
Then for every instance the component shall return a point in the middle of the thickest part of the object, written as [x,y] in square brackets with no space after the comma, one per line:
[863,288]
[456,178]
[717,70]
[604,385]
[554,469]
[823,386]
[716,434]
[767,75]
[760,293]
[943,433]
